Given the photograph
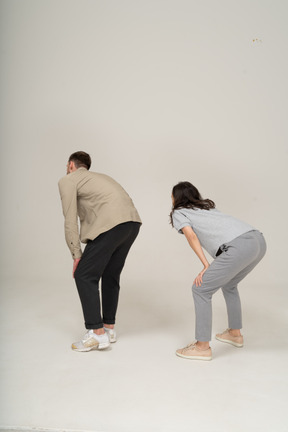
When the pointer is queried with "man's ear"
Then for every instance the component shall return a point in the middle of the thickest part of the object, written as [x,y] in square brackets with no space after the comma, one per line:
[72,166]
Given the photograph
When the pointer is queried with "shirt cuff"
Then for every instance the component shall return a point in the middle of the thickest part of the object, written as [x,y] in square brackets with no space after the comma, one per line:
[183,225]
[76,254]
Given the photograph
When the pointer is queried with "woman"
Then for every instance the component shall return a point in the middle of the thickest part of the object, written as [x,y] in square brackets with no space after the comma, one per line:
[237,248]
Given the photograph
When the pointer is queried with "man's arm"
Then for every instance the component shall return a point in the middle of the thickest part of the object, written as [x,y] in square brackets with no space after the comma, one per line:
[68,193]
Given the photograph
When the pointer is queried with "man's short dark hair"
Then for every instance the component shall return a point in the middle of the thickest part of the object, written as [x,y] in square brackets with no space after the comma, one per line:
[81,159]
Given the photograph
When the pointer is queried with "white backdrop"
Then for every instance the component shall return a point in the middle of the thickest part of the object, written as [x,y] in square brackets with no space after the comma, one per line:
[157,91]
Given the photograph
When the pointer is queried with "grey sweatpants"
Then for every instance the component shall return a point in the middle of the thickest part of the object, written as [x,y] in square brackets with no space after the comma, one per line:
[238,258]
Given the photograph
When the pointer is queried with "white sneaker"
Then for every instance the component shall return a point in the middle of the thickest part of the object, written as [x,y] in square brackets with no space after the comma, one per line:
[91,341]
[111,334]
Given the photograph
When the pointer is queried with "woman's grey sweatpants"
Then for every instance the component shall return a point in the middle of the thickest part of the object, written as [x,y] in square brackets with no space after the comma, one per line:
[237,259]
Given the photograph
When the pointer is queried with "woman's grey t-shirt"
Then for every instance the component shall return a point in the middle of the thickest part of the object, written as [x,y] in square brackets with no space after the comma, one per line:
[212,227]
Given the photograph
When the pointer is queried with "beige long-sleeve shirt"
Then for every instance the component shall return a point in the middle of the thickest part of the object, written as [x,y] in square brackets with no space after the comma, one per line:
[99,202]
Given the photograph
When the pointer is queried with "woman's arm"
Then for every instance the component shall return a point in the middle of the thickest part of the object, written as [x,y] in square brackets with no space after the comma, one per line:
[196,246]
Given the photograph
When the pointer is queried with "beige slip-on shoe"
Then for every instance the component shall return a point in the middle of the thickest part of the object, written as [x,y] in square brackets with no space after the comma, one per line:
[192,352]
[226,336]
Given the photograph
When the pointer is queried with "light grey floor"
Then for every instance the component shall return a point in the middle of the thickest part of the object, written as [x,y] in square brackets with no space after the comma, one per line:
[139,384]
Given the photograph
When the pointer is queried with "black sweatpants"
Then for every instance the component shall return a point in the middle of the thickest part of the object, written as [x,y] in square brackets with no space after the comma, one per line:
[104,259]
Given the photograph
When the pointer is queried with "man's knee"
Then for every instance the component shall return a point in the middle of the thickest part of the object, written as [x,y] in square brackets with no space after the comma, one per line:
[80,274]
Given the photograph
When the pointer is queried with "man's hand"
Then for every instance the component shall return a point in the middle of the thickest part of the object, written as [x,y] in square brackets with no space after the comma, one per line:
[75,264]
[198,279]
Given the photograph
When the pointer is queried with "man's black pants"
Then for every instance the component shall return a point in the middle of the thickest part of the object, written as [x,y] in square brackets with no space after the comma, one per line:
[104,259]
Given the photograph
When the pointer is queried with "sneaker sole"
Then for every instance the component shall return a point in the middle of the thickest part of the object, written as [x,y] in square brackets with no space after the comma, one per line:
[194,357]
[103,345]
[112,339]
[97,347]
[237,345]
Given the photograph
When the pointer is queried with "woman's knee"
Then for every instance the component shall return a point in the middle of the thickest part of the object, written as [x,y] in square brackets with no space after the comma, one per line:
[202,293]
[196,291]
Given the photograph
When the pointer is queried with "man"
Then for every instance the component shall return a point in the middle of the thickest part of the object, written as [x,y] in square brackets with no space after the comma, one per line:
[109,224]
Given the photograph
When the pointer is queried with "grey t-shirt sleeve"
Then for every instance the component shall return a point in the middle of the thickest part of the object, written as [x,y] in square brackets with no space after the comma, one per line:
[180,221]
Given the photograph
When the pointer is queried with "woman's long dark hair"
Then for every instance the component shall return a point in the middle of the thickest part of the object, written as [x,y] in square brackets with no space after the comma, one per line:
[187,196]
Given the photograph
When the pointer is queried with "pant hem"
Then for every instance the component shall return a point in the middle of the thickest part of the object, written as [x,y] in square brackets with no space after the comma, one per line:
[235,327]
[108,321]
[93,326]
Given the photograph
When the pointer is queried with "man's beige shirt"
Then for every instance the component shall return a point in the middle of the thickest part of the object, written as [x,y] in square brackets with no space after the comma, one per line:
[99,202]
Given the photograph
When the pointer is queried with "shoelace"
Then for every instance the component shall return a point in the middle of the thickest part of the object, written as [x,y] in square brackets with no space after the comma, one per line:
[228,332]
[86,336]
[190,346]
[193,346]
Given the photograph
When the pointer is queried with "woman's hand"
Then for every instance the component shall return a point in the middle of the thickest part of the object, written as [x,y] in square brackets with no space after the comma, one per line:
[196,246]
[198,279]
